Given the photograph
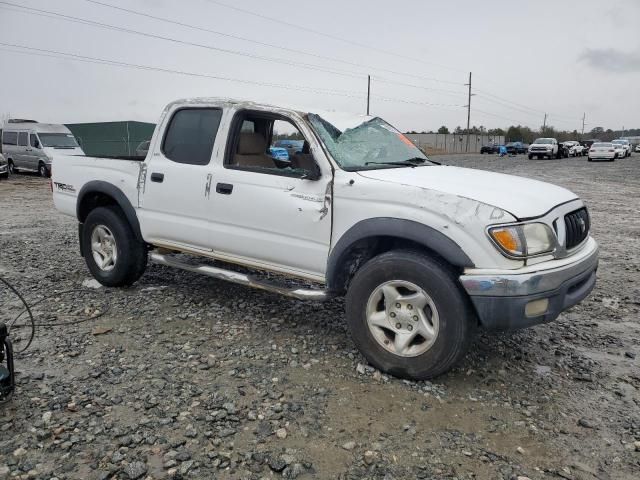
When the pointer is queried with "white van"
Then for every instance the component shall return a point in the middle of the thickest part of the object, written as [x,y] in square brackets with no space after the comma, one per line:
[28,145]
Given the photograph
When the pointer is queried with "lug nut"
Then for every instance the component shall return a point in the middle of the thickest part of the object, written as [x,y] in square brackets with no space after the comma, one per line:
[392,315]
[398,305]
[410,307]
[398,325]
[409,327]
[415,317]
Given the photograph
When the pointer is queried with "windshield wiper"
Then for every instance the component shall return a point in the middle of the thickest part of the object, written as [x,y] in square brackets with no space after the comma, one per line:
[410,162]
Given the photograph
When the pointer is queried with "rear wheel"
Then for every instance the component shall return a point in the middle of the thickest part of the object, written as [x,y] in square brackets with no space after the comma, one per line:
[408,316]
[12,168]
[112,252]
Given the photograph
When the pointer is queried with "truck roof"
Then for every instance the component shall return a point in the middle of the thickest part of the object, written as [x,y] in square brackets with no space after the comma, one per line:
[341,120]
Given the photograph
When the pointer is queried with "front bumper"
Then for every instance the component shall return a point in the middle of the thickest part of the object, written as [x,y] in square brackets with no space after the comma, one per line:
[541,152]
[501,298]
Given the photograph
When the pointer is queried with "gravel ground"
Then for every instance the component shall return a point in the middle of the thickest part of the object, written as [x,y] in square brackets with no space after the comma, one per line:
[182,376]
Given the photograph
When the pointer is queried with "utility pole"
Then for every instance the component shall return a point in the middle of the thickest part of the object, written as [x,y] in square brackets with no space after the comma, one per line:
[468,112]
[368,92]
[544,124]
[583,117]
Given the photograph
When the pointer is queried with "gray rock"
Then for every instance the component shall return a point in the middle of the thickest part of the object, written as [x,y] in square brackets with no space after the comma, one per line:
[135,470]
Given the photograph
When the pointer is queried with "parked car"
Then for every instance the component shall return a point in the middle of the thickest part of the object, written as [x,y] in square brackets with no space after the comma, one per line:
[514,148]
[29,146]
[626,146]
[4,167]
[544,147]
[279,153]
[621,150]
[637,148]
[423,253]
[292,146]
[602,151]
[142,148]
[575,148]
[490,148]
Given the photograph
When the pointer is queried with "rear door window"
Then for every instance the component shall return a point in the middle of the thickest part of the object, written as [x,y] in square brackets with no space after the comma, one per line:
[190,135]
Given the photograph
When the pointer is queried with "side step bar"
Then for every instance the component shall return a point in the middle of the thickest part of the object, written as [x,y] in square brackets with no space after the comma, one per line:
[242,279]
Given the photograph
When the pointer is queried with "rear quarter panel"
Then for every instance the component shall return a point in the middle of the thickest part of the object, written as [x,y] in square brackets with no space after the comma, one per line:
[71,173]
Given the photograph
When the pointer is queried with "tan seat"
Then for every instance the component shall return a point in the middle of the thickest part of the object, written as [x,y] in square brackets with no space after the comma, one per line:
[251,151]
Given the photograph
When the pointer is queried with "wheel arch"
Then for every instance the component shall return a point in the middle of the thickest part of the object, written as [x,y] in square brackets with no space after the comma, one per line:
[371,237]
[98,193]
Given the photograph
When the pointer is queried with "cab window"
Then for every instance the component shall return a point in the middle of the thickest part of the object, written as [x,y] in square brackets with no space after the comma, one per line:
[190,135]
[270,144]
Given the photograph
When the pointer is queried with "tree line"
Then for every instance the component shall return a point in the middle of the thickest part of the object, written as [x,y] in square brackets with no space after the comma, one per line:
[525,134]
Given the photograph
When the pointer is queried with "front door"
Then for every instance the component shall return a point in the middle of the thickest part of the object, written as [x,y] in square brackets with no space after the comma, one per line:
[271,212]
[175,198]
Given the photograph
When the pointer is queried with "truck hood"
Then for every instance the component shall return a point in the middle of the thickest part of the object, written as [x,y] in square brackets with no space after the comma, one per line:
[521,197]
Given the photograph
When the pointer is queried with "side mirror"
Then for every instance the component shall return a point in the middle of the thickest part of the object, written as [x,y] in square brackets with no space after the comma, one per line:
[313,174]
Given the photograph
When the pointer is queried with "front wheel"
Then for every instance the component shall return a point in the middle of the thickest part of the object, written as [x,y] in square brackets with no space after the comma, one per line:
[112,252]
[43,171]
[530,157]
[12,168]
[408,315]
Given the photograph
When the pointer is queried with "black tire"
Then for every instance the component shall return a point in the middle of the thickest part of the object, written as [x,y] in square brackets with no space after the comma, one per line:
[12,168]
[589,159]
[131,253]
[530,157]
[457,320]
[43,171]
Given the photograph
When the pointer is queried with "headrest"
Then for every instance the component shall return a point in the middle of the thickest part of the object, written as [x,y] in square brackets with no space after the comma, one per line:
[251,143]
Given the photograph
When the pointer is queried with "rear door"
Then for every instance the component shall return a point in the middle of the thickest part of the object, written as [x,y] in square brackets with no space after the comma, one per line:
[175,200]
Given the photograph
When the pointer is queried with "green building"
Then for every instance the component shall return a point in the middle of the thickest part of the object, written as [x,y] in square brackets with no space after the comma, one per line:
[111,139]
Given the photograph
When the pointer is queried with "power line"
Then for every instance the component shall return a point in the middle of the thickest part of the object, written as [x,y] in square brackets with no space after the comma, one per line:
[102,61]
[525,107]
[309,66]
[264,44]
[307,29]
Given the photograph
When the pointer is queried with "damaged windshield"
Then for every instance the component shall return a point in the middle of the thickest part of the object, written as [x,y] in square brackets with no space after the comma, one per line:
[367,143]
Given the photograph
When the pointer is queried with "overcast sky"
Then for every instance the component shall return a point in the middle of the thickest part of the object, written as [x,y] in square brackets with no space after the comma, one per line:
[527,57]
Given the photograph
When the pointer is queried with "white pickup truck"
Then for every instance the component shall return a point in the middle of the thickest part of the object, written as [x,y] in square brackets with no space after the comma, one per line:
[423,253]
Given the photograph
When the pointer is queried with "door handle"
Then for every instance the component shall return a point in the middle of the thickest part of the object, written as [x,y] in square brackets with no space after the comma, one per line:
[207,186]
[157,177]
[224,188]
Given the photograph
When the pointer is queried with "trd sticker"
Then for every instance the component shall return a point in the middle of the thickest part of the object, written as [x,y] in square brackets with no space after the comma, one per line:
[63,187]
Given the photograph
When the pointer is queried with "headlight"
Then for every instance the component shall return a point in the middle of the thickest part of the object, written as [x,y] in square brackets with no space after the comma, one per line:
[523,240]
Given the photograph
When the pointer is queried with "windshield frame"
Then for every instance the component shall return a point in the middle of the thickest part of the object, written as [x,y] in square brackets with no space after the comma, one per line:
[370,166]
